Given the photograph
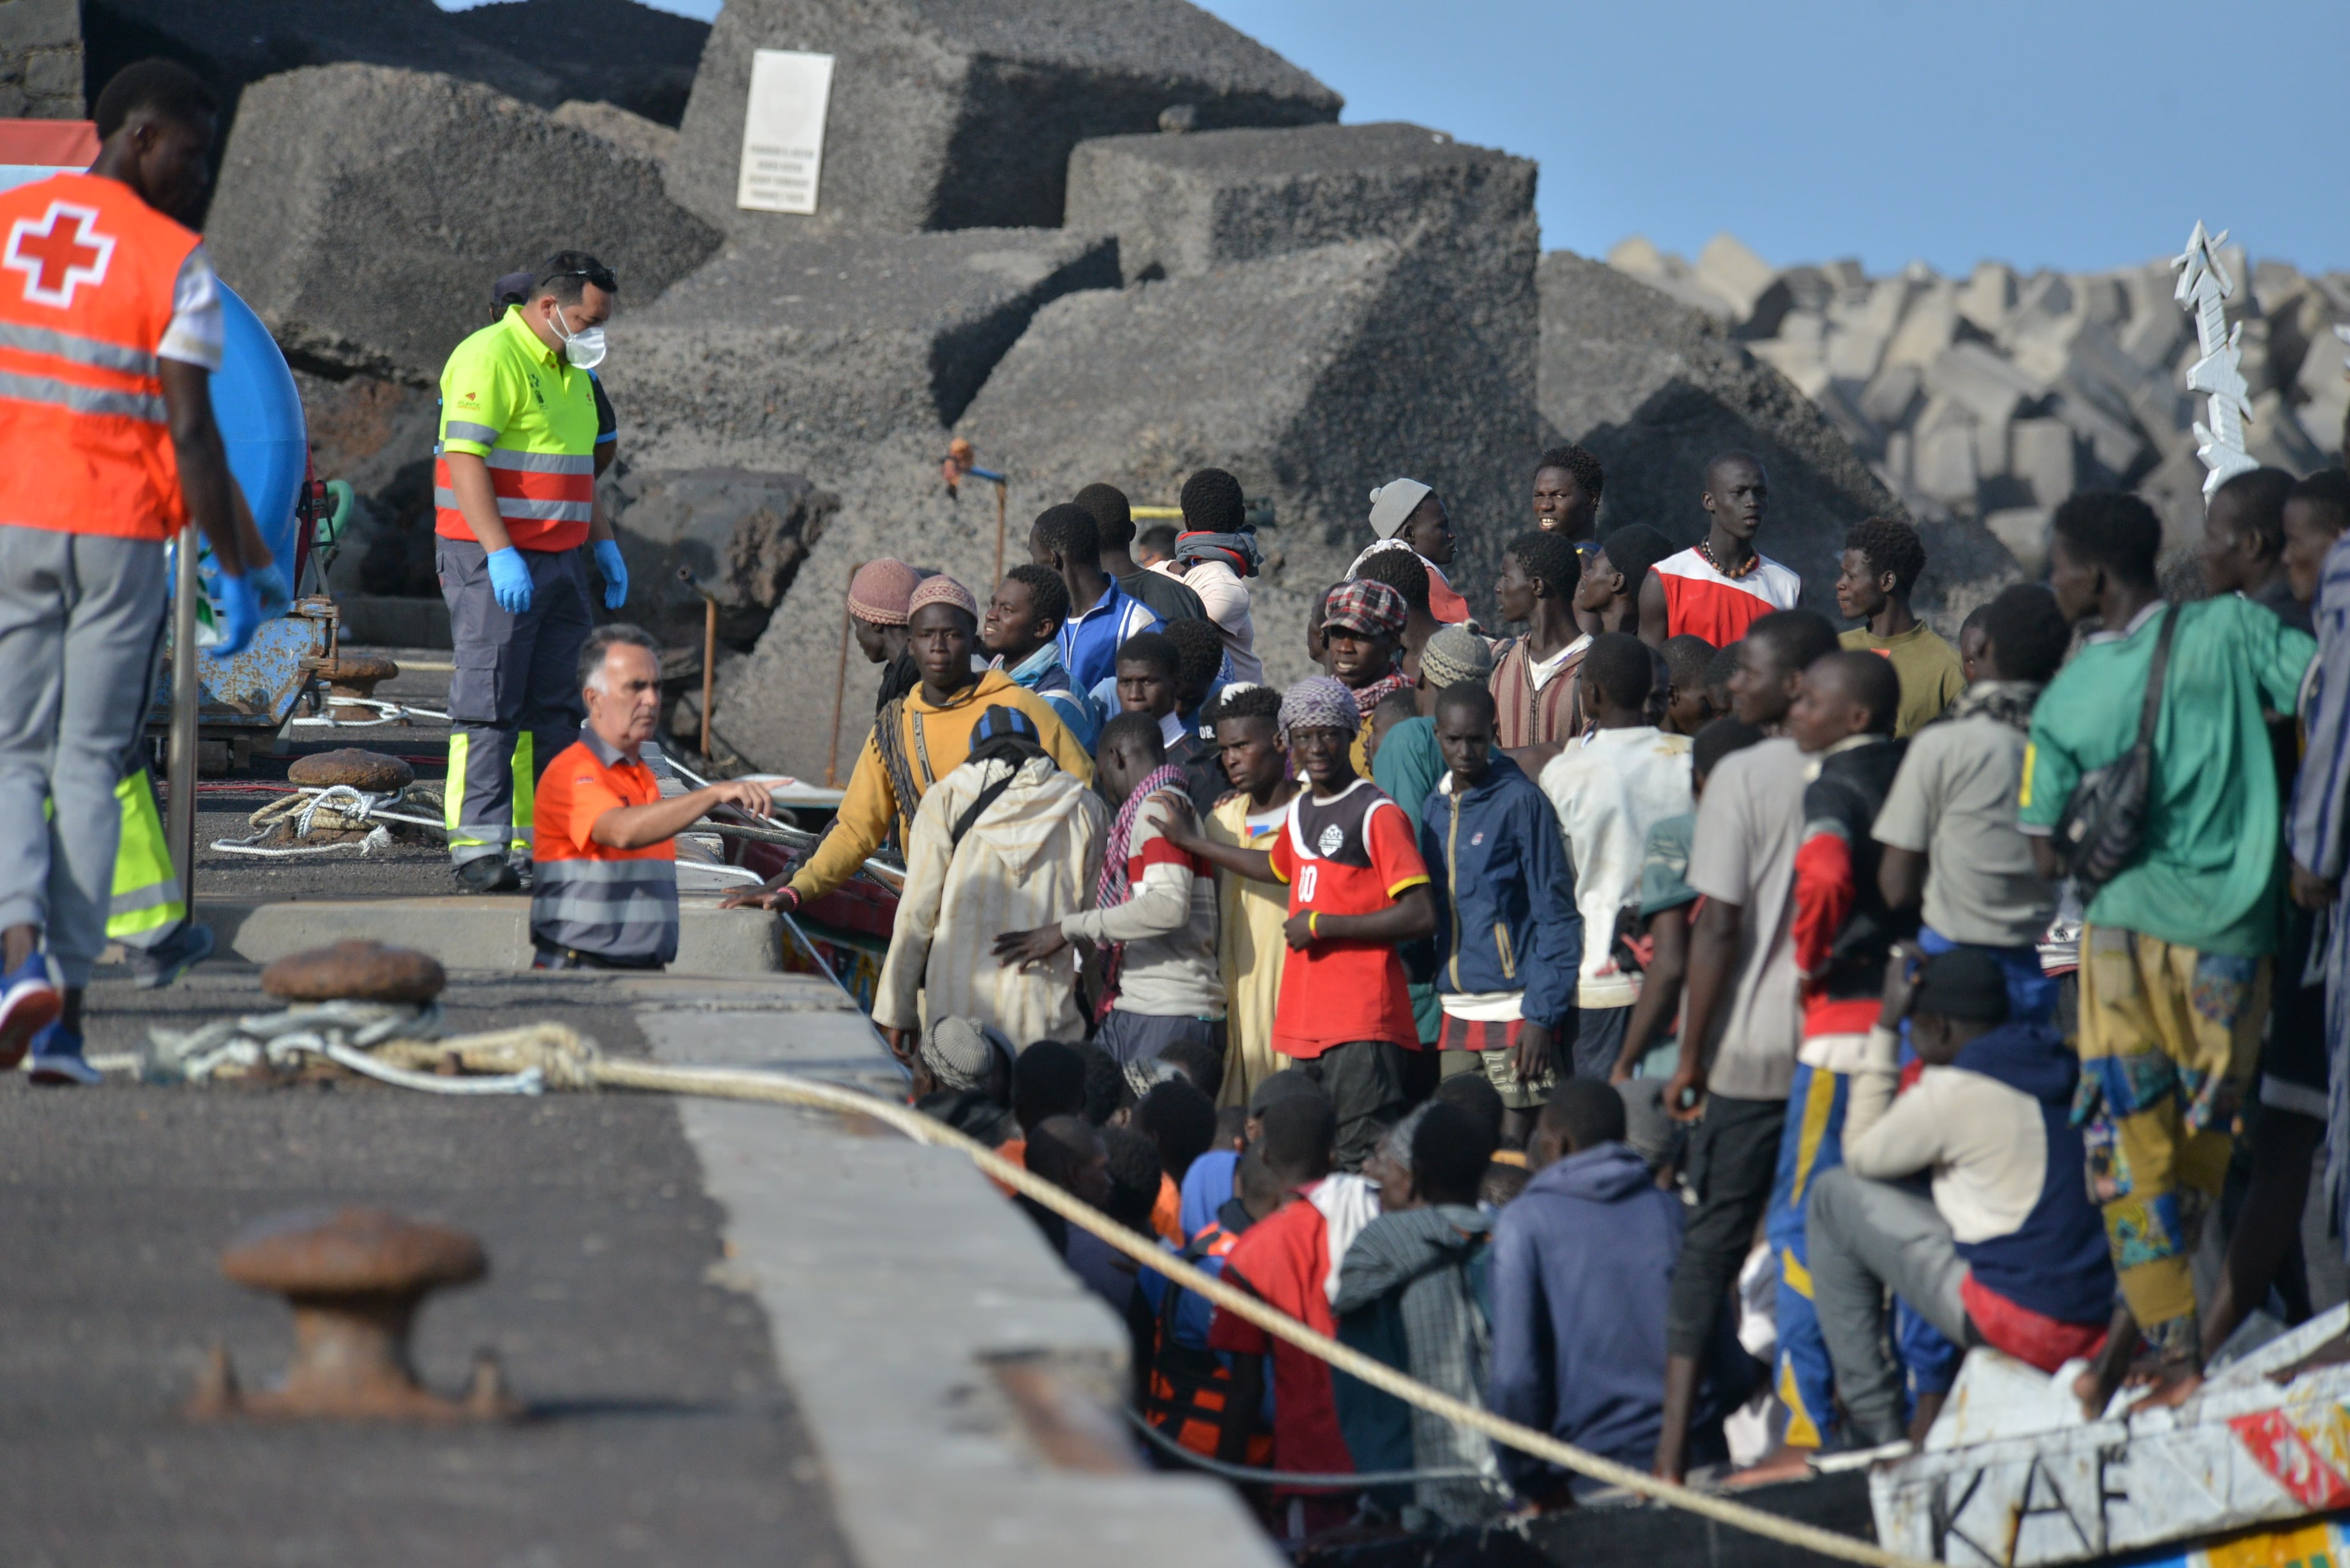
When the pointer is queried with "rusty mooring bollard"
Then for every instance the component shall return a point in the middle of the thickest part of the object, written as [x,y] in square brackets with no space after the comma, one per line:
[355,1280]
[356,674]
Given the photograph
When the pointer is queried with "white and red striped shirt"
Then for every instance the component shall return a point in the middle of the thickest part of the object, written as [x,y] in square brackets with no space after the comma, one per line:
[1719,607]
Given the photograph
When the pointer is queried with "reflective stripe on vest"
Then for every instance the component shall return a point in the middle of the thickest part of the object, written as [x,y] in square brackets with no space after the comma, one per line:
[146,902]
[531,486]
[614,908]
[87,274]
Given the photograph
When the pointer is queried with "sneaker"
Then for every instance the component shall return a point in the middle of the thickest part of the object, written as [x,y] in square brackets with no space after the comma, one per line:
[151,969]
[56,1059]
[29,1003]
[487,874]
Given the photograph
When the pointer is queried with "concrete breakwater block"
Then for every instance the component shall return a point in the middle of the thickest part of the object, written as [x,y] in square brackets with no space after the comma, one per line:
[814,349]
[363,213]
[1656,388]
[1182,204]
[953,114]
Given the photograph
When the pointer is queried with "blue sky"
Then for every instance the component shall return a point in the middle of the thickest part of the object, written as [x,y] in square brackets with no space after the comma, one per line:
[2070,133]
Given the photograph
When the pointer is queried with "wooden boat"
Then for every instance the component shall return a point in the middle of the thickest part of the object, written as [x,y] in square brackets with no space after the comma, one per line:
[846,931]
[2250,1473]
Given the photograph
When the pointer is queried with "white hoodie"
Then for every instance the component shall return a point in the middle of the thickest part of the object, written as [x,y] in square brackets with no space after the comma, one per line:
[1610,787]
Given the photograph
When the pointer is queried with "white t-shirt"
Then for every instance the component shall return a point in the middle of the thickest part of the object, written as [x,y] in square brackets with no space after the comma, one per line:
[198,334]
[1540,672]
[1226,599]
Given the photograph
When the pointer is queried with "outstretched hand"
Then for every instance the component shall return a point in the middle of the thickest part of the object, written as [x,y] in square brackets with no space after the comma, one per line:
[781,898]
[749,794]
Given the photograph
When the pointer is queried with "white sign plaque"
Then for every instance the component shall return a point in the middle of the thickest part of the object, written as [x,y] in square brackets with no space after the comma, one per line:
[783,130]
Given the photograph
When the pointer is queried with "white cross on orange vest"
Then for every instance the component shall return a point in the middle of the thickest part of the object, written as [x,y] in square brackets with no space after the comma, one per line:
[57,257]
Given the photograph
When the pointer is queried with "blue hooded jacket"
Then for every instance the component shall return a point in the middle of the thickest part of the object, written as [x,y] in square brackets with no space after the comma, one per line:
[1505,918]
[2057,1262]
[1582,1274]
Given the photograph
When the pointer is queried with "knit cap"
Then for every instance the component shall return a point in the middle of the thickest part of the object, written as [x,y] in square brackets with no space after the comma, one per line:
[1393,503]
[878,593]
[1456,656]
[960,1052]
[942,589]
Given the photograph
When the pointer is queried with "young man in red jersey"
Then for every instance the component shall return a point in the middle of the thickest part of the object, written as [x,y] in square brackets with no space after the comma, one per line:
[1357,887]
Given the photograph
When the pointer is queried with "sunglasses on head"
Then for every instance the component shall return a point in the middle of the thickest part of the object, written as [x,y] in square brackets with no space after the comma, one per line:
[603,277]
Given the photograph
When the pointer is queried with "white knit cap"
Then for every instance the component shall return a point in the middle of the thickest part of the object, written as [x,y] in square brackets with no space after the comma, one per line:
[1393,503]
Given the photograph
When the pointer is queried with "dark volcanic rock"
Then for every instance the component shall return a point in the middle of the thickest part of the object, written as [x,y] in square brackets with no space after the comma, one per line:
[742,534]
[40,60]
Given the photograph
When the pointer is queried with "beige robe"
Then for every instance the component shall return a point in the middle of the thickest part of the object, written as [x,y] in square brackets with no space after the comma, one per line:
[1031,858]
[1250,950]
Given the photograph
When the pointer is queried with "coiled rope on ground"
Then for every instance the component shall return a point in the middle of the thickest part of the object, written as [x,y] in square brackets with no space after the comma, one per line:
[335,808]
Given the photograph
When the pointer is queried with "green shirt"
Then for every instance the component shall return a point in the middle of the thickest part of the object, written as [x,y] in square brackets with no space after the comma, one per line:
[1408,763]
[1930,672]
[2206,876]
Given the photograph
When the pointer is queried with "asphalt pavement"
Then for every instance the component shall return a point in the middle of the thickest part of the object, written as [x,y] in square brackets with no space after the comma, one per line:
[659,1431]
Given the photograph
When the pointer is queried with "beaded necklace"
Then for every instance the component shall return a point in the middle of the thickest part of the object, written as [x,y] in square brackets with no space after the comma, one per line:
[1705,552]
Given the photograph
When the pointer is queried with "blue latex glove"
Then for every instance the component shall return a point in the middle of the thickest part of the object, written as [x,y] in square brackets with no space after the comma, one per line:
[510,580]
[270,591]
[240,614]
[615,573]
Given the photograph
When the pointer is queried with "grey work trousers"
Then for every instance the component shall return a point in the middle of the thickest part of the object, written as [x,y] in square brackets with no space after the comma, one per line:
[517,675]
[1866,1238]
[80,617]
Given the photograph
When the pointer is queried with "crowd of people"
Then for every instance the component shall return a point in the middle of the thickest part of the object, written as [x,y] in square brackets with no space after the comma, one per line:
[1678,1024]
[1675,1024]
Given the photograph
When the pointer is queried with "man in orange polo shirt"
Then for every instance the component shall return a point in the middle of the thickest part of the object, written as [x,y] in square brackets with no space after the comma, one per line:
[604,895]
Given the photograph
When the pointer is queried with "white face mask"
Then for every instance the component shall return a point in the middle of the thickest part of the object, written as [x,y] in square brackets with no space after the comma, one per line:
[584,349]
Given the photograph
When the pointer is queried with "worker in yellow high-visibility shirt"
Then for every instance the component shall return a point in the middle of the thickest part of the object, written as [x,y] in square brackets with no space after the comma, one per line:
[515,509]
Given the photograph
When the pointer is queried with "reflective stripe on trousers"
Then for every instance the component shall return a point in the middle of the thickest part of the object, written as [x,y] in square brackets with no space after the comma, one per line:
[482,835]
[620,909]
